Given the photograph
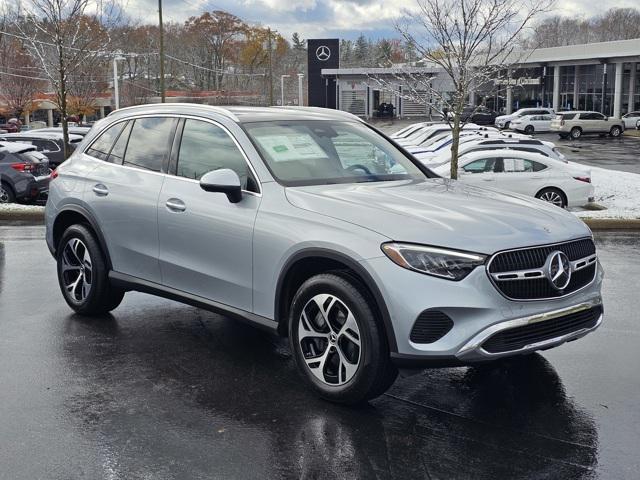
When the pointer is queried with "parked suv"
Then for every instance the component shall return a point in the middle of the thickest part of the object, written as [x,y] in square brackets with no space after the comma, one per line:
[24,173]
[576,124]
[318,227]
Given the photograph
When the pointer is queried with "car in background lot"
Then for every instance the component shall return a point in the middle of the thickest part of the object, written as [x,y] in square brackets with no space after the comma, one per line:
[531,124]
[631,120]
[315,226]
[24,173]
[10,127]
[548,149]
[574,124]
[480,115]
[426,134]
[504,121]
[48,143]
[526,173]
[81,131]
[409,130]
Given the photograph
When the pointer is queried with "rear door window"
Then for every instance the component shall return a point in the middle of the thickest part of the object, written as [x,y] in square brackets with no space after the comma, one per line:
[101,146]
[149,142]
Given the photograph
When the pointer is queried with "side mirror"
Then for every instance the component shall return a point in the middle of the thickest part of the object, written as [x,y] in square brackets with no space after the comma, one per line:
[224,181]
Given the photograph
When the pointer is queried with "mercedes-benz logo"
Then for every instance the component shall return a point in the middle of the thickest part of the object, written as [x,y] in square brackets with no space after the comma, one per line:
[323,53]
[558,270]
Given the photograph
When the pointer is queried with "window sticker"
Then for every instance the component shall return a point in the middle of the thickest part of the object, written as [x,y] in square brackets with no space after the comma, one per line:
[294,146]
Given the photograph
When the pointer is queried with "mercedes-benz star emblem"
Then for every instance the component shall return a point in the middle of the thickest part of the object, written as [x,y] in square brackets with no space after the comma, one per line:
[323,53]
[558,270]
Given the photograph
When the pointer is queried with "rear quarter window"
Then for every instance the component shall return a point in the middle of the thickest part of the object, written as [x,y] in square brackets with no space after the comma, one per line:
[567,116]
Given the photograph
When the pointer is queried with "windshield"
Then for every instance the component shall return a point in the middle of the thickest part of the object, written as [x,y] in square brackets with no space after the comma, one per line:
[321,152]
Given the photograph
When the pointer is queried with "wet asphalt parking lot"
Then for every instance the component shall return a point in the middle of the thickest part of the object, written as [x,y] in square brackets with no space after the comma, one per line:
[159,390]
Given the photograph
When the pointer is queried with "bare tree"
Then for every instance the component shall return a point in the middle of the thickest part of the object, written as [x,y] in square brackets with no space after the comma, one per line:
[20,86]
[65,37]
[472,42]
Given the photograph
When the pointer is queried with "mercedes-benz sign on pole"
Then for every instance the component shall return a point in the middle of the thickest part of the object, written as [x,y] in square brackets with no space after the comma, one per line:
[322,53]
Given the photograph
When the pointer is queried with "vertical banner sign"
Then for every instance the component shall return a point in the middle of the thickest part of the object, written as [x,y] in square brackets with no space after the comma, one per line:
[322,54]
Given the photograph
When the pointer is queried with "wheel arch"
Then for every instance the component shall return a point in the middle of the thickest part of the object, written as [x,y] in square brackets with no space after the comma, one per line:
[76,214]
[311,261]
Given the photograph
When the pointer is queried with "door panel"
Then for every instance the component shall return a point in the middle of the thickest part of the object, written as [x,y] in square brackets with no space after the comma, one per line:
[206,242]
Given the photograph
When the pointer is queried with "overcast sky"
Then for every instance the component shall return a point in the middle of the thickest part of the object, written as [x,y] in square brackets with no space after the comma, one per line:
[324,18]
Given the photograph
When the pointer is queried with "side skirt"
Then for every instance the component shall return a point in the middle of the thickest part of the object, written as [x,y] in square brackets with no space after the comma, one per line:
[129,282]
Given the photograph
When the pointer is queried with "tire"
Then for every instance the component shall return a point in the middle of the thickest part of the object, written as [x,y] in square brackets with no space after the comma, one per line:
[83,274]
[615,131]
[529,129]
[554,196]
[343,373]
[576,133]
[6,193]
[507,125]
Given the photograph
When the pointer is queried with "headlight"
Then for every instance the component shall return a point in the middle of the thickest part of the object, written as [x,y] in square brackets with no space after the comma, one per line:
[439,262]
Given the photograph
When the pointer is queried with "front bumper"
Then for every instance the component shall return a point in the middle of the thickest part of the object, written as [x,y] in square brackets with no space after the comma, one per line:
[478,312]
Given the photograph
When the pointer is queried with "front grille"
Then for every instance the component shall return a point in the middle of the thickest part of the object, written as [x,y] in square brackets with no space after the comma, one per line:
[430,326]
[534,258]
[519,337]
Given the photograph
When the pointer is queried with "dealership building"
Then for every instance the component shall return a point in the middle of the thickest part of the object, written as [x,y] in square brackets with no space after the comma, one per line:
[604,77]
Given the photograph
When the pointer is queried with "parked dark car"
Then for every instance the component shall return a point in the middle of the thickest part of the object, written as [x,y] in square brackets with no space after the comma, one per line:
[10,127]
[24,173]
[49,143]
[478,115]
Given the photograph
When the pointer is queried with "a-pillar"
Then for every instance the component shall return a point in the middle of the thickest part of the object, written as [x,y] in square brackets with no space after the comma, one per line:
[556,88]
[632,88]
[50,117]
[617,90]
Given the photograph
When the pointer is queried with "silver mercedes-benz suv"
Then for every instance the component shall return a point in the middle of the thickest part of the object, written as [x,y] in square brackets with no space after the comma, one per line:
[312,224]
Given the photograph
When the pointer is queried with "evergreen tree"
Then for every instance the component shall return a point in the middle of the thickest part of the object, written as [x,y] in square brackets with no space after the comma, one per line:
[297,42]
[361,52]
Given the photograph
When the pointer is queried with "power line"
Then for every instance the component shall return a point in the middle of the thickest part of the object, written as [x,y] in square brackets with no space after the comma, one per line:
[214,70]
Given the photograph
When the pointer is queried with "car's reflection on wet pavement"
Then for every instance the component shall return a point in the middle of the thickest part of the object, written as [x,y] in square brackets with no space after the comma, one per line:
[162,390]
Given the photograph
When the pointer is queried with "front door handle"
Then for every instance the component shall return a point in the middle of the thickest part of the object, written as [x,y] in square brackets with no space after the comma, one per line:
[100,190]
[175,205]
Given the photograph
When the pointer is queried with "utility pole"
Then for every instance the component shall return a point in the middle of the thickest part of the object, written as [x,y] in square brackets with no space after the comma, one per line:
[300,93]
[270,68]
[116,96]
[161,51]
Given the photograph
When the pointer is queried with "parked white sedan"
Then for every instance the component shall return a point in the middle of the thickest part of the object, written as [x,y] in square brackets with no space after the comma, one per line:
[631,120]
[530,124]
[532,174]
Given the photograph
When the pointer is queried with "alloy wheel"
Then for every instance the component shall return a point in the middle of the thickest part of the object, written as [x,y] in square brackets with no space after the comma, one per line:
[77,272]
[4,195]
[552,197]
[329,339]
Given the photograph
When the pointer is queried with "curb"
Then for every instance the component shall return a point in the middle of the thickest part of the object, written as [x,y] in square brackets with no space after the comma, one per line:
[632,224]
[36,217]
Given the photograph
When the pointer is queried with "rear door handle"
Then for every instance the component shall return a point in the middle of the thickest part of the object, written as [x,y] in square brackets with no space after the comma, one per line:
[100,190]
[175,205]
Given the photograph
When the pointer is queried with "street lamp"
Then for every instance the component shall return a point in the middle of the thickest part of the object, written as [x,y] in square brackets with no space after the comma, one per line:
[282,77]
[300,94]
[116,94]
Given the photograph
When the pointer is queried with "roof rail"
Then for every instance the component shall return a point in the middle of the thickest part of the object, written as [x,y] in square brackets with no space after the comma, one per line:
[330,111]
[221,110]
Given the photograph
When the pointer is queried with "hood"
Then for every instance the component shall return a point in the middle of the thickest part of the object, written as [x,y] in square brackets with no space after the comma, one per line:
[442,212]
[504,117]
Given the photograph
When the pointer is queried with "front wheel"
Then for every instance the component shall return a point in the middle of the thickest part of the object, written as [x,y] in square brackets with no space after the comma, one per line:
[82,273]
[554,196]
[338,343]
[576,133]
[615,131]
[507,125]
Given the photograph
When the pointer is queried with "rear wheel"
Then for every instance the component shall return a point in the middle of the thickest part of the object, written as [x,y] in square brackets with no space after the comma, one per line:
[576,132]
[615,131]
[554,196]
[529,129]
[338,343]
[6,193]
[82,273]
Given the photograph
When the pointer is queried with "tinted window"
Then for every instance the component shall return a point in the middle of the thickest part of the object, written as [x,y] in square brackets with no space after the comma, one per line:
[206,147]
[480,166]
[568,116]
[117,152]
[532,150]
[101,146]
[520,165]
[149,142]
